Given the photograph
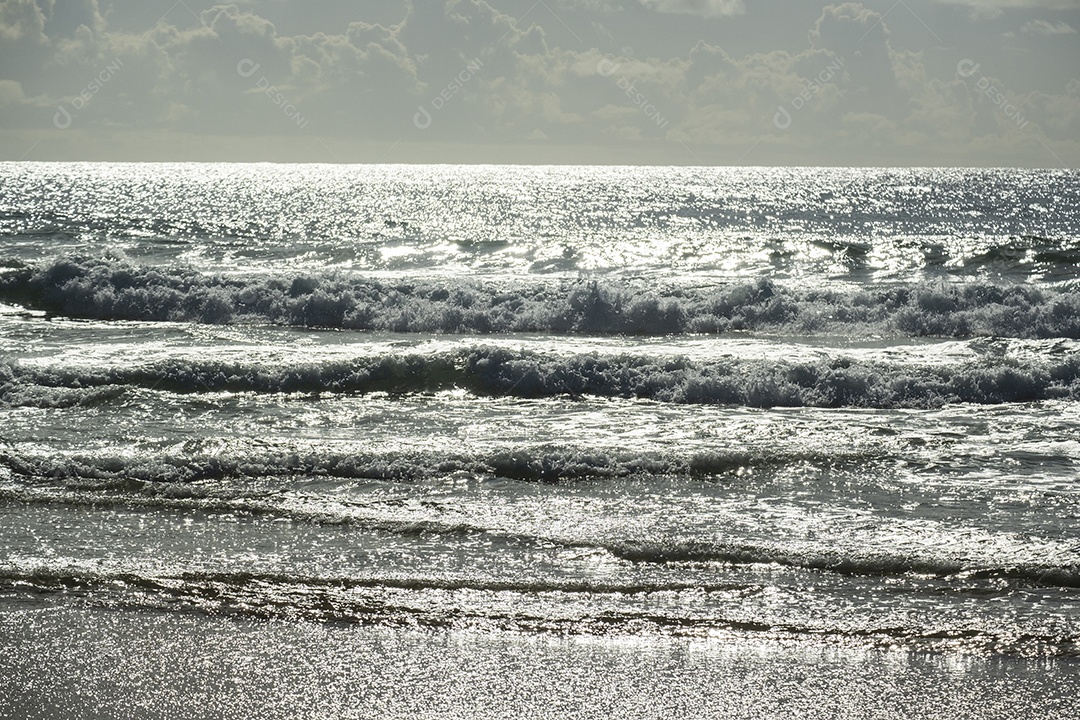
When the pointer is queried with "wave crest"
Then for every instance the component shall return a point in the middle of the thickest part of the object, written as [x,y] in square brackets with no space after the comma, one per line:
[145,474]
[494,371]
[114,289]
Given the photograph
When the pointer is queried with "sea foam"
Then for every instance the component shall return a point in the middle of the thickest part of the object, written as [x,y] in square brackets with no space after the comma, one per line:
[496,371]
[115,289]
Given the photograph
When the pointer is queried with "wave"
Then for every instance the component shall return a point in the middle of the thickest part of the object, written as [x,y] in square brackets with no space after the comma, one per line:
[541,464]
[55,398]
[115,289]
[379,517]
[525,607]
[494,371]
[46,578]
[840,561]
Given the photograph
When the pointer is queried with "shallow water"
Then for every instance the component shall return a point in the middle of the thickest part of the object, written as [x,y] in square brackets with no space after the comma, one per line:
[163,665]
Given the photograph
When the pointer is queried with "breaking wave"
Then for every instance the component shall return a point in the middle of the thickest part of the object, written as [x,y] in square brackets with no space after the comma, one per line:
[144,473]
[115,289]
[493,371]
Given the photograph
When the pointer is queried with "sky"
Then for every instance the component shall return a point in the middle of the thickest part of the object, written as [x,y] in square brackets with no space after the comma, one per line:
[672,82]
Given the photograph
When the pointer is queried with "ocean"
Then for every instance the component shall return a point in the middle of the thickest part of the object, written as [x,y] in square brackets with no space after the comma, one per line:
[503,441]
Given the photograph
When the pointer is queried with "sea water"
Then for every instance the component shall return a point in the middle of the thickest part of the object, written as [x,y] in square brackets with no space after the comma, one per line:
[487,441]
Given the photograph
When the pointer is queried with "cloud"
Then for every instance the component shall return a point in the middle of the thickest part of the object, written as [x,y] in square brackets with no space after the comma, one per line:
[482,80]
[981,10]
[704,8]
[20,19]
[1045,27]
[11,93]
[67,16]
[991,5]
[849,24]
[595,6]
